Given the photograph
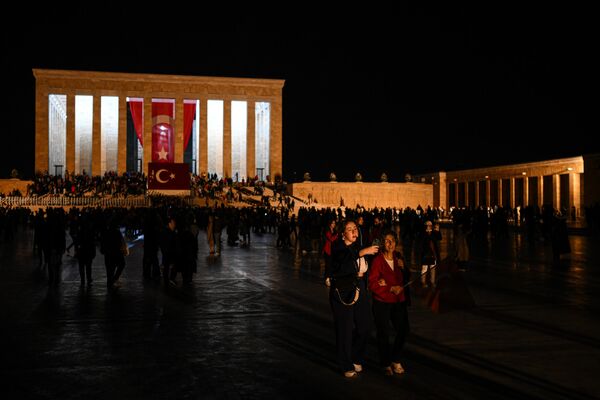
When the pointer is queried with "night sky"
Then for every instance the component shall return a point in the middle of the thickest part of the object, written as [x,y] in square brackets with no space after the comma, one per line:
[405,89]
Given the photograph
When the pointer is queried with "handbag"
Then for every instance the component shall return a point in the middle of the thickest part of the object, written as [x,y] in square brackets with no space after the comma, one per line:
[347,284]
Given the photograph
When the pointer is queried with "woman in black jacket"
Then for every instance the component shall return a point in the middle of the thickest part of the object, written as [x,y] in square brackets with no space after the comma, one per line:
[348,299]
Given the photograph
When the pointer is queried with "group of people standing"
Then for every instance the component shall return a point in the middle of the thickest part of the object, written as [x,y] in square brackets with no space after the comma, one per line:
[175,234]
[353,270]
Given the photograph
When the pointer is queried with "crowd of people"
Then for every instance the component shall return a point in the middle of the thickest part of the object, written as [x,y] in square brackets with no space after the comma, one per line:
[76,185]
[111,184]
[368,254]
[172,231]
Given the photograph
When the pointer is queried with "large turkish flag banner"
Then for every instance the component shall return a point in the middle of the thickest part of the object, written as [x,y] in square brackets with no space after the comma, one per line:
[168,178]
[163,134]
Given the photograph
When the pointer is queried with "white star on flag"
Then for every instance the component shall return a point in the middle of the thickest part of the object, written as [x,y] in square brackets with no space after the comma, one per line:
[172,176]
[162,154]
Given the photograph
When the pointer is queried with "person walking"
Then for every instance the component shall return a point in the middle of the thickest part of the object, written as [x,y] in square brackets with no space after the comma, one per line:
[114,248]
[430,253]
[387,279]
[85,248]
[168,248]
[348,299]
[331,235]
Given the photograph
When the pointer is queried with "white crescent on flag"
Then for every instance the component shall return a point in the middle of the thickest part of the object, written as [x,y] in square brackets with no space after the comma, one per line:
[158,176]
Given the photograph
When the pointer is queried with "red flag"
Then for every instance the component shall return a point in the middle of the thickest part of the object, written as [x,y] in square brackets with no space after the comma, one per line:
[451,291]
[169,178]
[137,109]
[163,138]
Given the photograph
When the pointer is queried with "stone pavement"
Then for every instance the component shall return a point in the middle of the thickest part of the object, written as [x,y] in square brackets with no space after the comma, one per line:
[257,325]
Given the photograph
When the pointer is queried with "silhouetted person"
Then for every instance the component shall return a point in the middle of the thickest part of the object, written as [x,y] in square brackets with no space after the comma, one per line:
[187,252]
[85,248]
[151,266]
[560,237]
[114,248]
[168,247]
[430,254]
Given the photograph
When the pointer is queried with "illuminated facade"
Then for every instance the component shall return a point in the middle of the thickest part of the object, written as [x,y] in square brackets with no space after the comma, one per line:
[560,183]
[98,121]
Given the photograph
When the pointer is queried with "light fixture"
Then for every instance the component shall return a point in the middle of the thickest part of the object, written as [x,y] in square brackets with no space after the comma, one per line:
[523,173]
[487,176]
[570,169]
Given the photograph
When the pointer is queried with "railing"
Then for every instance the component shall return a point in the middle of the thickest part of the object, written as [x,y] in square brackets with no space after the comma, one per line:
[298,199]
[65,201]
[49,200]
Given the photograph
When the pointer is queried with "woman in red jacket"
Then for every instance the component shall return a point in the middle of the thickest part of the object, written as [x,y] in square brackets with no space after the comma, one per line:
[387,277]
[331,235]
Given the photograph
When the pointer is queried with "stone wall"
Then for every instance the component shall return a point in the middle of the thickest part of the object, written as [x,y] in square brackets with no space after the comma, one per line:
[366,194]
[591,179]
[8,185]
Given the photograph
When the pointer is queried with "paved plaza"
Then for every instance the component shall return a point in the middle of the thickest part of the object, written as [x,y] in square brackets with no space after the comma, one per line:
[256,324]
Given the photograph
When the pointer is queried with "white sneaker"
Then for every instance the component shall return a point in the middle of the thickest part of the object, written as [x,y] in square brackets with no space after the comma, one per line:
[350,374]
[397,367]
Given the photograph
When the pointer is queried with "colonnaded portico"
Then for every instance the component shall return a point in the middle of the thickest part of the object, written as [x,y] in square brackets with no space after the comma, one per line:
[559,183]
[100,121]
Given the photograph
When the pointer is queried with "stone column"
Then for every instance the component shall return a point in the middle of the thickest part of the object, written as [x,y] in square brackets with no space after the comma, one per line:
[525,190]
[251,139]
[70,150]
[512,192]
[556,191]
[96,138]
[456,196]
[500,202]
[488,192]
[41,130]
[147,134]
[178,151]
[540,190]
[477,199]
[466,186]
[575,193]
[227,138]
[276,140]
[203,138]
[122,138]
[439,191]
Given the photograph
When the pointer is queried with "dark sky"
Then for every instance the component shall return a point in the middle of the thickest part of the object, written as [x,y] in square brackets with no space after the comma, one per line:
[404,89]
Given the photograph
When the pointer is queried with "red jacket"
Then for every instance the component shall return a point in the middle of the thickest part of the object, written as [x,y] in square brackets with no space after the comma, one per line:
[380,269]
[330,237]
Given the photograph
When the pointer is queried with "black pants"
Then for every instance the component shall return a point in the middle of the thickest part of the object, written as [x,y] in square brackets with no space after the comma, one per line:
[54,264]
[85,268]
[114,265]
[352,326]
[388,315]
[169,273]
[150,265]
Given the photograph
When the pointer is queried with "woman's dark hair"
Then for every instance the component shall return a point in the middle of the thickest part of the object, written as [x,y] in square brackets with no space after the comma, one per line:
[344,223]
[391,233]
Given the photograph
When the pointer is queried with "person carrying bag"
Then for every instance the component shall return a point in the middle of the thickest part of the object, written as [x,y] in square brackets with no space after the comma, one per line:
[348,299]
